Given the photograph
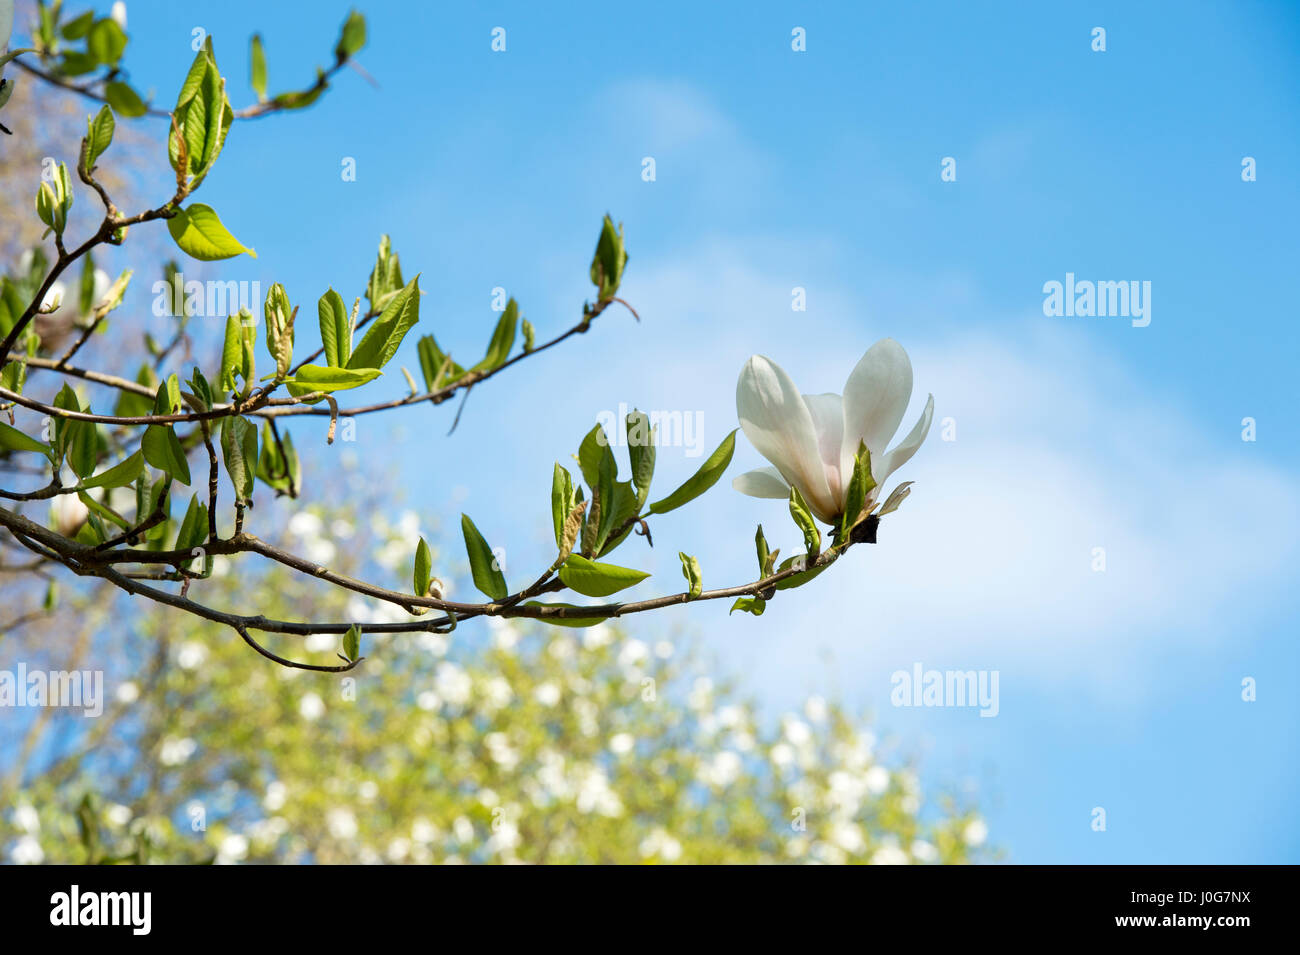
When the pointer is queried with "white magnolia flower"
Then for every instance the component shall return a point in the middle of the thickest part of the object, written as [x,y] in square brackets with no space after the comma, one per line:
[812,439]
[119,13]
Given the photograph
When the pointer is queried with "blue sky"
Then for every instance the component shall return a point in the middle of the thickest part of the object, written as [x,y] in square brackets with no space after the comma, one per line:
[821,169]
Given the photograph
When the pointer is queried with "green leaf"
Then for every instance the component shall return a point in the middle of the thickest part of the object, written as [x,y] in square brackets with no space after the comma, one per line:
[438,368]
[163,450]
[754,605]
[106,41]
[335,329]
[385,333]
[199,233]
[896,497]
[702,480]
[13,375]
[764,554]
[119,475]
[78,26]
[624,509]
[106,512]
[423,568]
[562,502]
[860,485]
[194,526]
[278,471]
[691,571]
[64,428]
[257,67]
[483,565]
[641,449]
[592,455]
[234,354]
[593,579]
[279,315]
[503,339]
[353,36]
[124,100]
[609,261]
[11,439]
[799,579]
[311,378]
[803,519]
[352,643]
[131,405]
[83,449]
[239,451]
[566,621]
[99,134]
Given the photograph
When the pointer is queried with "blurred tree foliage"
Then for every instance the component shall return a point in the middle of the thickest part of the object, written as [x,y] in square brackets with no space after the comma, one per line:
[537,744]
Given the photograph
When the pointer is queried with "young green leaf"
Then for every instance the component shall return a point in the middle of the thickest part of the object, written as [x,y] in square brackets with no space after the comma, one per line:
[311,378]
[163,450]
[99,134]
[352,643]
[691,571]
[503,339]
[561,501]
[83,448]
[803,519]
[483,565]
[194,526]
[860,485]
[641,449]
[566,621]
[799,579]
[105,41]
[335,329]
[597,580]
[352,37]
[423,569]
[609,261]
[239,451]
[385,333]
[124,100]
[764,553]
[199,233]
[11,439]
[119,475]
[702,480]
[754,605]
[257,67]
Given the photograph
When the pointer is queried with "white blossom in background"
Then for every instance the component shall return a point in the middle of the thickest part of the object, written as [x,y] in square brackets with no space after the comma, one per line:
[311,706]
[27,851]
[175,751]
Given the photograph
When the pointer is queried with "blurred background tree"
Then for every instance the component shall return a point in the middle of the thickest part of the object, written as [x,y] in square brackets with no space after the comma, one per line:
[514,742]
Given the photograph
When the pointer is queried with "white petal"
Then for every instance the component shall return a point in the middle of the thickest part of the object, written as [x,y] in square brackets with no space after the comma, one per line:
[765,482]
[876,396]
[828,421]
[900,455]
[778,424]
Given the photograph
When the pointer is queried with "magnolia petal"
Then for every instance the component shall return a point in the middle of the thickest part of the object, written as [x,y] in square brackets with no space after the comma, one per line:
[764,482]
[900,455]
[875,397]
[779,425]
[828,421]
